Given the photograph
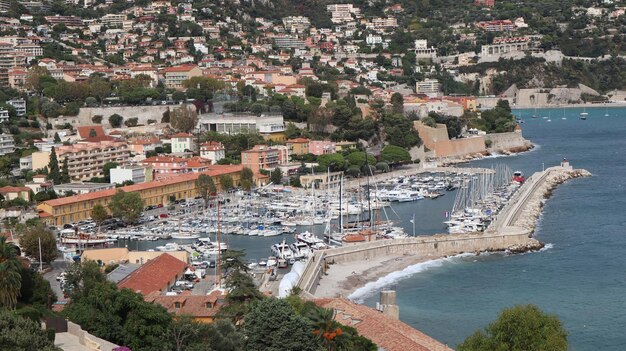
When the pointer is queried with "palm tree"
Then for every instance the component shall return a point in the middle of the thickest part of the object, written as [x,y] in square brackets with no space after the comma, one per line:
[10,278]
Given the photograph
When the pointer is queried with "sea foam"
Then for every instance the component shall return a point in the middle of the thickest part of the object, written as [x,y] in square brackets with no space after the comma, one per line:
[369,289]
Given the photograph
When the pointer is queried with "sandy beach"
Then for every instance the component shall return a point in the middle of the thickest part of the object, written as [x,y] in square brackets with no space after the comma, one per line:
[342,279]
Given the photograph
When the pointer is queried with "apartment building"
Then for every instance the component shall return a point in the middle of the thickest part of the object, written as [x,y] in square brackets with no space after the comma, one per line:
[65,210]
[213,151]
[113,20]
[381,24]
[265,157]
[233,123]
[85,160]
[296,24]
[7,144]
[428,87]
[497,25]
[164,165]
[4,115]
[341,13]
[175,76]
[19,105]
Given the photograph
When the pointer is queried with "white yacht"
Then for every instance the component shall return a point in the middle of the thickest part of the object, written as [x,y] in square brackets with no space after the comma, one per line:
[282,250]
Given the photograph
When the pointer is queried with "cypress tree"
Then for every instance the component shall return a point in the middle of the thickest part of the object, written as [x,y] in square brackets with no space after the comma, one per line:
[53,166]
[65,172]
[57,139]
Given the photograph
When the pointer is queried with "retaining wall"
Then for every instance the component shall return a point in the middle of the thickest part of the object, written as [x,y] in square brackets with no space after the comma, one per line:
[507,141]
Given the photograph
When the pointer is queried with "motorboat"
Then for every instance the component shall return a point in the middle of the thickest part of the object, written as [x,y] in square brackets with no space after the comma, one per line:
[282,250]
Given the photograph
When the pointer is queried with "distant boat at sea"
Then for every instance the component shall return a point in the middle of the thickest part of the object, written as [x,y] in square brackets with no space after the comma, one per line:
[584,114]
[606,112]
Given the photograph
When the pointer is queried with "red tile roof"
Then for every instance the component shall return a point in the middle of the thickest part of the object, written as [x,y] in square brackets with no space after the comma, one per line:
[155,275]
[84,131]
[213,171]
[191,305]
[298,141]
[386,332]
[182,68]
[13,189]
[182,135]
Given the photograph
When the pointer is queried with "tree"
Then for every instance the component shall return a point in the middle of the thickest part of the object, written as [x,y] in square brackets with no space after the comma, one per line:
[53,167]
[206,187]
[29,240]
[19,333]
[106,170]
[335,162]
[184,119]
[120,316]
[65,172]
[522,327]
[50,109]
[226,182]
[131,122]
[115,120]
[35,290]
[242,289]
[273,325]
[126,206]
[10,281]
[96,119]
[247,179]
[392,154]
[397,103]
[99,214]
[57,138]
[276,176]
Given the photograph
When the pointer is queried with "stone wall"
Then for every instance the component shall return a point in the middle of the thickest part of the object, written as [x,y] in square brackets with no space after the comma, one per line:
[429,247]
[89,341]
[436,139]
[503,142]
[143,113]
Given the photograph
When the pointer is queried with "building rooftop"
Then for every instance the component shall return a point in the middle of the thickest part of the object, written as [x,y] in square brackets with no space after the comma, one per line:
[122,271]
[193,305]
[85,131]
[154,275]
[386,332]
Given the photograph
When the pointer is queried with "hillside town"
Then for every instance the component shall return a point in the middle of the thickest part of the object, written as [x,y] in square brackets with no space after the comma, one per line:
[122,120]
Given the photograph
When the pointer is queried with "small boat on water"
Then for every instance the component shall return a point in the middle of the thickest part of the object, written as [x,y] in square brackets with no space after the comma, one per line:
[518,176]
[584,114]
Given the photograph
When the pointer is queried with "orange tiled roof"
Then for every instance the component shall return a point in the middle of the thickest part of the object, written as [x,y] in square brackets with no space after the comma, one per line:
[386,332]
[84,131]
[298,141]
[155,275]
[164,159]
[213,171]
[192,305]
[182,68]
[182,135]
[13,189]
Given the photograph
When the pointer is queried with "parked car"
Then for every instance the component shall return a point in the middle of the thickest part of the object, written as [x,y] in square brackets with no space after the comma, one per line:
[163,215]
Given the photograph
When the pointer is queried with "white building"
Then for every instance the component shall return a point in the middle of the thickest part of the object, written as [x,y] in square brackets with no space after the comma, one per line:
[296,24]
[4,115]
[213,151]
[231,123]
[26,163]
[136,174]
[340,13]
[372,39]
[182,142]
[423,51]
[19,105]
[430,87]
[7,144]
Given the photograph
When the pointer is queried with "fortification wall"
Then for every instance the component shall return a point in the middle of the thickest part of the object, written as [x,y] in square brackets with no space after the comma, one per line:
[507,141]
[460,147]
[143,113]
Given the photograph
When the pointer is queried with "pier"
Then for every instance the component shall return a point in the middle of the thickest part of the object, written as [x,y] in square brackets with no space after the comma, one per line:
[512,230]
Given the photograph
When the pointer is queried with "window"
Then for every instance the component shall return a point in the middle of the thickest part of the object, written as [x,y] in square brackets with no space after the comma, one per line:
[177,304]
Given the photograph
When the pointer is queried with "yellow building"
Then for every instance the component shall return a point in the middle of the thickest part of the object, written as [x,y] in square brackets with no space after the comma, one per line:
[118,255]
[344,145]
[321,180]
[71,209]
[298,146]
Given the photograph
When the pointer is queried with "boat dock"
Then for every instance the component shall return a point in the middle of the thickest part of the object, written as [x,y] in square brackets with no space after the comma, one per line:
[512,230]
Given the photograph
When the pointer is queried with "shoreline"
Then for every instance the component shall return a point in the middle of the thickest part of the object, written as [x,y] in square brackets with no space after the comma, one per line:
[361,278]
[619,104]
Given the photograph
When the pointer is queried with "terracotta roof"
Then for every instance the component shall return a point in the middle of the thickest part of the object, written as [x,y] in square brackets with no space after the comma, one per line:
[164,159]
[386,332]
[13,189]
[182,68]
[192,305]
[213,171]
[155,275]
[40,176]
[84,131]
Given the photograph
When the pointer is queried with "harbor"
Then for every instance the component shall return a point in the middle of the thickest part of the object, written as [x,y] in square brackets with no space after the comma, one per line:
[340,271]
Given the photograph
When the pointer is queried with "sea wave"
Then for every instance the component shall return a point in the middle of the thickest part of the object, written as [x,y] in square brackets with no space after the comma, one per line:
[369,289]
[546,247]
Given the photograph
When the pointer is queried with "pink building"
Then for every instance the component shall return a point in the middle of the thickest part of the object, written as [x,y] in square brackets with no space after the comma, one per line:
[265,157]
[143,146]
[163,165]
[321,147]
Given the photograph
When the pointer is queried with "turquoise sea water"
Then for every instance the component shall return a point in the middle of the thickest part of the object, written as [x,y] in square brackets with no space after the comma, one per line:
[581,277]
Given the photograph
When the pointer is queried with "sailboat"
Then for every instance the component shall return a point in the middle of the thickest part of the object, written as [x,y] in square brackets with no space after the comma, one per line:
[584,114]
[549,119]
[535,114]
[606,111]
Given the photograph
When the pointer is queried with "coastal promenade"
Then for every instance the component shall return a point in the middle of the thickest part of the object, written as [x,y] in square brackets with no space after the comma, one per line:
[339,271]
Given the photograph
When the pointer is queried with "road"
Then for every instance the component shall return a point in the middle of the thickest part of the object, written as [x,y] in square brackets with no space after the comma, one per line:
[59,265]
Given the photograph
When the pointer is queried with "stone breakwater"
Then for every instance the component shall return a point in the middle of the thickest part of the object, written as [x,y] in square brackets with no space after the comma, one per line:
[529,214]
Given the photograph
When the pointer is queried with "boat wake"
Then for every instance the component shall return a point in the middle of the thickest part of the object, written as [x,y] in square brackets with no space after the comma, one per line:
[546,247]
[369,289]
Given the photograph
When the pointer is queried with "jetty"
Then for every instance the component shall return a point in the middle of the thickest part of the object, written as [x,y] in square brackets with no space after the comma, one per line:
[512,231]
